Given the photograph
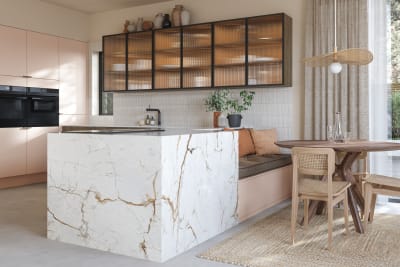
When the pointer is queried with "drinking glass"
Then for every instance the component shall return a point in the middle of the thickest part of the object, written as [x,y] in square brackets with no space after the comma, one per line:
[329,133]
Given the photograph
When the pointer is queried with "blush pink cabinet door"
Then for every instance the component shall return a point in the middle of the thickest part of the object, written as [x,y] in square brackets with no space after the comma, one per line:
[44,83]
[12,152]
[42,56]
[12,51]
[12,80]
[36,149]
[73,77]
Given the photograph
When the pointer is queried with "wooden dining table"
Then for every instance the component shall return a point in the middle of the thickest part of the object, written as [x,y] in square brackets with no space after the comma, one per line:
[352,150]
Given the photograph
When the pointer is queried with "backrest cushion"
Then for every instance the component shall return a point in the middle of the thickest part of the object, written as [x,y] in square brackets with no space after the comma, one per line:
[264,141]
[246,145]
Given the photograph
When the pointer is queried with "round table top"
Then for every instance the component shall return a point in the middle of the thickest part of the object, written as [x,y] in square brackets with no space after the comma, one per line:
[350,146]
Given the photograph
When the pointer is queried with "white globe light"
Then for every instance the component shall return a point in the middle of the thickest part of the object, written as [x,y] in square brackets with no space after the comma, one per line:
[335,67]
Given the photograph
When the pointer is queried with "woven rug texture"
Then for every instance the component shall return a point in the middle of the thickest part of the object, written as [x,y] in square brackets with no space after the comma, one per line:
[267,243]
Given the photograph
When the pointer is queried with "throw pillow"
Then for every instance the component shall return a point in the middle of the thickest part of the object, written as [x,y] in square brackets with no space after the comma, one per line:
[264,141]
[246,144]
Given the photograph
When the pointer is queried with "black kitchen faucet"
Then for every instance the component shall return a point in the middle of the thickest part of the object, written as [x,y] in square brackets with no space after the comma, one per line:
[158,114]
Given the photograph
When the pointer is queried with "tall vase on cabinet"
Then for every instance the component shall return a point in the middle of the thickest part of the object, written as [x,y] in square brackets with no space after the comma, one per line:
[176,15]
[158,20]
[185,16]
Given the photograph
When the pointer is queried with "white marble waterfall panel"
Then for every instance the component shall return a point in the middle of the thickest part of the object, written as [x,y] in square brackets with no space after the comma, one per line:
[150,197]
[102,192]
[199,189]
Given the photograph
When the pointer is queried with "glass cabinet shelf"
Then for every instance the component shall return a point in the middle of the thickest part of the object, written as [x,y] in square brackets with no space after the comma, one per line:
[254,51]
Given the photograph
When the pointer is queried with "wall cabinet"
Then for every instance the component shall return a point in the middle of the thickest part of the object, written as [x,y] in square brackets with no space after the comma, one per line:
[73,77]
[244,52]
[230,53]
[29,55]
[197,56]
[42,56]
[12,51]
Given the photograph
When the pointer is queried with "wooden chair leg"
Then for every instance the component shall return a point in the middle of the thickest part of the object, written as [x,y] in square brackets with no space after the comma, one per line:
[306,204]
[372,212]
[330,224]
[346,212]
[367,203]
[295,204]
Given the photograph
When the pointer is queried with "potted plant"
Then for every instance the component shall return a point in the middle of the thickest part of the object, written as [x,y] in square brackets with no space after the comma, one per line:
[236,106]
[218,103]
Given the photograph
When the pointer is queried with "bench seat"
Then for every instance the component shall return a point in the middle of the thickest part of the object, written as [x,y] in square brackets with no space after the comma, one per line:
[251,165]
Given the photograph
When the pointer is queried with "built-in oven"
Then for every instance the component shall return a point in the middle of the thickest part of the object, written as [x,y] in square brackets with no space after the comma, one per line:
[13,106]
[43,107]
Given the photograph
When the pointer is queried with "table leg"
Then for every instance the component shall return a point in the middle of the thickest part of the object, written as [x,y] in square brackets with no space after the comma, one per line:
[355,197]
[321,207]
[354,212]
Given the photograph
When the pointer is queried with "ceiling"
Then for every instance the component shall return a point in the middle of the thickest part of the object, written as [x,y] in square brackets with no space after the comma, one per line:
[95,6]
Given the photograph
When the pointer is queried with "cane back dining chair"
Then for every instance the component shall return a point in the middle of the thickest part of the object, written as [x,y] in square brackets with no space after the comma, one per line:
[378,184]
[309,162]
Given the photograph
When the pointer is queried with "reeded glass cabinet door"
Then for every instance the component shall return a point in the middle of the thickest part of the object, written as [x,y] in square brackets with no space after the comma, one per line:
[229,53]
[167,58]
[265,50]
[140,60]
[197,47]
[114,48]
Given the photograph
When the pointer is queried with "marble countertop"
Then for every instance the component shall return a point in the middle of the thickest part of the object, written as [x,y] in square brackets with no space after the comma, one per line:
[121,130]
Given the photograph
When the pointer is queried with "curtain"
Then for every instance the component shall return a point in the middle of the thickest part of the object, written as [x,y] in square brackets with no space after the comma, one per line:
[347,92]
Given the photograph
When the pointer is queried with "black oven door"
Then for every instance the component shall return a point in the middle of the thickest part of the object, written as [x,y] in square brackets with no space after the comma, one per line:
[42,111]
[13,106]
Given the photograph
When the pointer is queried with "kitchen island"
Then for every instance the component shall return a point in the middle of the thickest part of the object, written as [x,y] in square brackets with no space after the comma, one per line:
[150,195]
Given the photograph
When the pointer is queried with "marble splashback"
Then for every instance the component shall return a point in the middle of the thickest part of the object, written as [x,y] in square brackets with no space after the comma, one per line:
[150,197]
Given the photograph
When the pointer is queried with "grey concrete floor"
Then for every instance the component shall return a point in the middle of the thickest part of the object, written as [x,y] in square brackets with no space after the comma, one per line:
[23,238]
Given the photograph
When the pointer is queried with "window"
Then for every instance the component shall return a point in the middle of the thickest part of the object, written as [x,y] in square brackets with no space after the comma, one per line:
[105,98]
[394,65]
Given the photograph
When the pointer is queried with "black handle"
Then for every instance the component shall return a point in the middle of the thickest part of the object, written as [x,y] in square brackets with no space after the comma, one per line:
[41,98]
[14,97]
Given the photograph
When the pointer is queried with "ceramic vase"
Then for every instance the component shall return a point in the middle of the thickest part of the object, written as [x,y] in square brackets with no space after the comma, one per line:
[166,22]
[222,121]
[185,17]
[131,27]
[176,15]
[139,24]
[147,25]
[158,20]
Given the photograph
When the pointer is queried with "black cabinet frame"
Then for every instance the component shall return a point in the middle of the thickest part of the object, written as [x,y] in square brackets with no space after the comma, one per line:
[286,57]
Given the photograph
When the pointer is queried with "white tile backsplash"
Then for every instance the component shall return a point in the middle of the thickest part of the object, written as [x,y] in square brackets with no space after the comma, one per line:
[272,108]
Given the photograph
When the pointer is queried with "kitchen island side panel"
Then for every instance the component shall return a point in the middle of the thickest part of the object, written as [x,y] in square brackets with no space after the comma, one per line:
[199,189]
[102,193]
[144,196]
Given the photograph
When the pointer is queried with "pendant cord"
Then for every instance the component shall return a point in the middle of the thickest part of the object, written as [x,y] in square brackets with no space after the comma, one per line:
[335,28]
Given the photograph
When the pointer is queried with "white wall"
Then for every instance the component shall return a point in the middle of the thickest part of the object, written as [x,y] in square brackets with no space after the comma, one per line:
[186,108]
[41,17]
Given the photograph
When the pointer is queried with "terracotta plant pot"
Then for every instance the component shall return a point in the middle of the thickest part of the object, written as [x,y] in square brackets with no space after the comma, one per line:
[215,118]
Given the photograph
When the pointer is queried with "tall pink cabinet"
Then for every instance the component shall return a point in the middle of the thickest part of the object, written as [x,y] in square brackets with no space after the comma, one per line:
[39,60]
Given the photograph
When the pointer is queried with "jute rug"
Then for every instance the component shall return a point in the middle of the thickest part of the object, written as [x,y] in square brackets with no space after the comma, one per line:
[267,243]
